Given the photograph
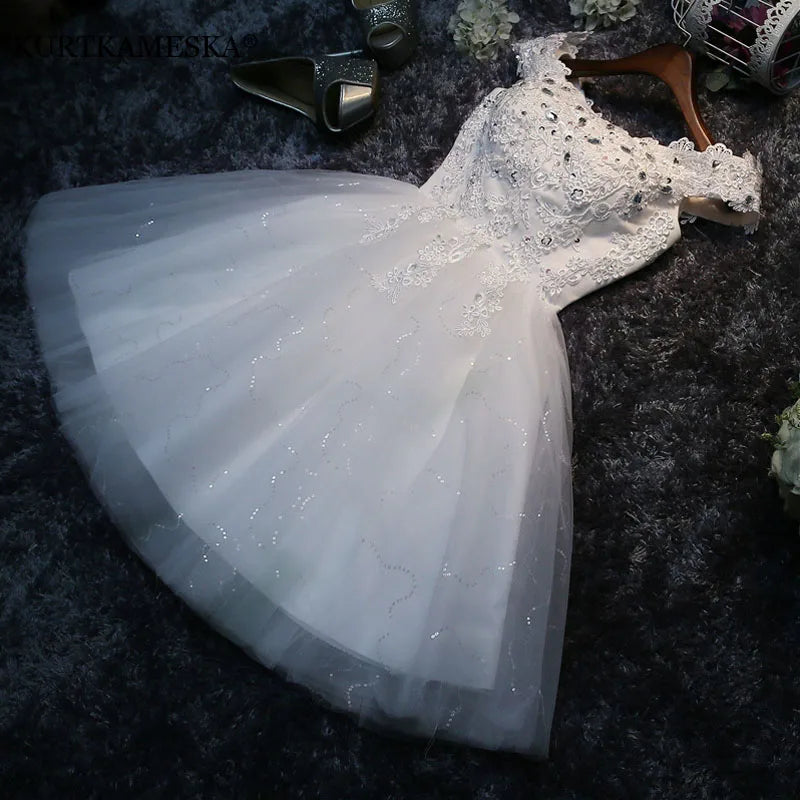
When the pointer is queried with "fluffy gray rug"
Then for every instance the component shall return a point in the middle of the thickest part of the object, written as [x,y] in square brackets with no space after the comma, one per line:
[680,673]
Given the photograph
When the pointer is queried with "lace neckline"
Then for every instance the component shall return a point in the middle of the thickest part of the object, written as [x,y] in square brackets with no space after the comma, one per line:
[551,48]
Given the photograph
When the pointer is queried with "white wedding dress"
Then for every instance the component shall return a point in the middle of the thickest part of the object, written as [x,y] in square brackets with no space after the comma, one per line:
[332,411]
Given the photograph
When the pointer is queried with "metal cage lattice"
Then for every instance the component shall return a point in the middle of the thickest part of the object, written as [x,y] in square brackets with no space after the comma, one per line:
[758,38]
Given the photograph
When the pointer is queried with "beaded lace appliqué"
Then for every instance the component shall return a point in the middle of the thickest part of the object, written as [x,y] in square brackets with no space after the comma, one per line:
[627,250]
[533,168]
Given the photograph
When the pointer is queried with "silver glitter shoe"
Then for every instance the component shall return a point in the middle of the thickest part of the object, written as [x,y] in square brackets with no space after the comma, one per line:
[390,28]
[335,91]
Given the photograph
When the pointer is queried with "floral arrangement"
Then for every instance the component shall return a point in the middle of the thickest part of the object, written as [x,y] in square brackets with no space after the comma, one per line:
[594,14]
[482,27]
[785,466]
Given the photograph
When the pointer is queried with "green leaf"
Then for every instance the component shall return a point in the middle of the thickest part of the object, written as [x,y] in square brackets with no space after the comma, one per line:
[717,80]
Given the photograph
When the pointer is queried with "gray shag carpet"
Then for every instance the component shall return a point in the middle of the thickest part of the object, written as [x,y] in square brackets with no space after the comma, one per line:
[680,676]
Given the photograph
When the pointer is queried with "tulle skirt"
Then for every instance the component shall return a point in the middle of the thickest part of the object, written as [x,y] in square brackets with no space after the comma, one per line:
[358,495]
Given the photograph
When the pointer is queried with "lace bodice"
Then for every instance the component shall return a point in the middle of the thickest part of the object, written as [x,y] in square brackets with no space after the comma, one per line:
[572,201]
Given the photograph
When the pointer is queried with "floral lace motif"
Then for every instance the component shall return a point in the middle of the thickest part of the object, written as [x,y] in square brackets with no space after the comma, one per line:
[430,259]
[476,314]
[628,250]
[717,172]
[377,229]
[535,170]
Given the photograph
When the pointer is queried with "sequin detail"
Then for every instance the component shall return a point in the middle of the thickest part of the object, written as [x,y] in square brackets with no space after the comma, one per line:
[535,172]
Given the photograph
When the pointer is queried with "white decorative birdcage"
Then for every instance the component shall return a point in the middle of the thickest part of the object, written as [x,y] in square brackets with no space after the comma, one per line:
[758,38]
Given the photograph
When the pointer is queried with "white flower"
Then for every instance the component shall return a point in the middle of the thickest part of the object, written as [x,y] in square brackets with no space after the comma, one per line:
[785,465]
[481,27]
[602,13]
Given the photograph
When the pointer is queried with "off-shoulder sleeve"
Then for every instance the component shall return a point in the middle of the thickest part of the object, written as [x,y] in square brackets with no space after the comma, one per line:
[532,53]
[717,172]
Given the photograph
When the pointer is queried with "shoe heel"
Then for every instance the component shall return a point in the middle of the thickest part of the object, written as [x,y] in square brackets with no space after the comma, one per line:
[390,29]
[358,84]
[334,91]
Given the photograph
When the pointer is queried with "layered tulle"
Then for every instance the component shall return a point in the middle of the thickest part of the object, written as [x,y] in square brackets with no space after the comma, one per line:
[353,491]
